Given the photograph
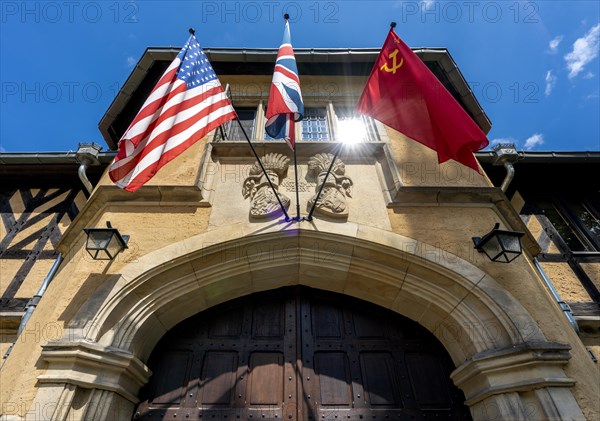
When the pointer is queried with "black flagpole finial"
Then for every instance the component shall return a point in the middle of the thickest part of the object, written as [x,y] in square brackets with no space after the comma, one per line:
[192,31]
[393,25]
[286,16]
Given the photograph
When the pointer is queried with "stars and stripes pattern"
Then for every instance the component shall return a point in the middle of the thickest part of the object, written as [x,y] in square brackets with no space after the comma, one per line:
[285,98]
[186,104]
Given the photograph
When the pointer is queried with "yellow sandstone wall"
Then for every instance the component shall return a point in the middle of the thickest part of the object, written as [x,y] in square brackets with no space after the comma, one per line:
[446,227]
[156,225]
[451,228]
[31,225]
[418,166]
[316,90]
[566,282]
[593,271]
[151,227]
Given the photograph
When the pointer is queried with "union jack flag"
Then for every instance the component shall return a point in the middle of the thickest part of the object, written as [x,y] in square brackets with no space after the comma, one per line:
[285,99]
[186,104]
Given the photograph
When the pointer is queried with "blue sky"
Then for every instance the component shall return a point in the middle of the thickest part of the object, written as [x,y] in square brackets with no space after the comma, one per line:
[533,65]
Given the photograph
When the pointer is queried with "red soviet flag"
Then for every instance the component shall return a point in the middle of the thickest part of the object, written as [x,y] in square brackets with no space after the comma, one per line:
[403,94]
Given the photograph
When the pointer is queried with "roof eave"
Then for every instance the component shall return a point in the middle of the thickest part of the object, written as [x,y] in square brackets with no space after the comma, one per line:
[303,55]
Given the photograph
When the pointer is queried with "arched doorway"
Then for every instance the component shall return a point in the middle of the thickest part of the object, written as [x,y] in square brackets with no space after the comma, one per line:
[299,354]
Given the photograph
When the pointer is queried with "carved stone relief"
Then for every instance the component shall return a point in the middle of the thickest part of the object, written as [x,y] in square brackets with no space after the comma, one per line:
[263,203]
[337,187]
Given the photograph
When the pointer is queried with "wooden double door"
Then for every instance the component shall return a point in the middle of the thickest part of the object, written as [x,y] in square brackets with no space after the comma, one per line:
[299,354]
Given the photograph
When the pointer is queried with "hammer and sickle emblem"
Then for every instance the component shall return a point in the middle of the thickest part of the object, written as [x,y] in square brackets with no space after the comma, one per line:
[395,65]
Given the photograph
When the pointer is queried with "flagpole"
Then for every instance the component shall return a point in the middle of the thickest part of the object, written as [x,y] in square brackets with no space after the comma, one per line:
[287,217]
[314,205]
[293,140]
[292,134]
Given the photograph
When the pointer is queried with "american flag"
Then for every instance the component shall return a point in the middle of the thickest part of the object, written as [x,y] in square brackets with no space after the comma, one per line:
[185,105]
[285,99]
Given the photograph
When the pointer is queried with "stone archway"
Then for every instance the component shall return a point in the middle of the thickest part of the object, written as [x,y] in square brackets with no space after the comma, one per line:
[487,333]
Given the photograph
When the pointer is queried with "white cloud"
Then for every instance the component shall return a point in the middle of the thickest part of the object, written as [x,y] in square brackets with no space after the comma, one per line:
[550,82]
[500,140]
[131,61]
[585,49]
[594,95]
[533,141]
[588,75]
[554,44]
[427,3]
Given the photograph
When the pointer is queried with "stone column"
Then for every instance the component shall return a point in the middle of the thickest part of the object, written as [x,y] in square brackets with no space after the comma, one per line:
[86,381]
[522,382]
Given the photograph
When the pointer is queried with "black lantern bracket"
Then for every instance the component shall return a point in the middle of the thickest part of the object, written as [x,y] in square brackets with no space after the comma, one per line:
[500,245]
[105,243]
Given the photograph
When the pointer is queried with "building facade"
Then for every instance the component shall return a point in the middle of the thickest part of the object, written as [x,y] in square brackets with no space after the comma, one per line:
[377,308]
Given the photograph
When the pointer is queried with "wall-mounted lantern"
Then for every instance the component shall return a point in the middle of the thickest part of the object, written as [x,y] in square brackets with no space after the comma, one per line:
[500,245]
[105,243]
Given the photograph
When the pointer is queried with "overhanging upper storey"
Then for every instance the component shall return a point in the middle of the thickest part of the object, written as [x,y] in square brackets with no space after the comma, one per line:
[323,62]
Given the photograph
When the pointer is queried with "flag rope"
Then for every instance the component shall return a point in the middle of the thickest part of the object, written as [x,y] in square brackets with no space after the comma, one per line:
[287,217]
[314,205]
[228,93]
[293,136]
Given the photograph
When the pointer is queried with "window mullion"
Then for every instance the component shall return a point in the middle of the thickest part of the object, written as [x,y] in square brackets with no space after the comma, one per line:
[332,122]
[581,231]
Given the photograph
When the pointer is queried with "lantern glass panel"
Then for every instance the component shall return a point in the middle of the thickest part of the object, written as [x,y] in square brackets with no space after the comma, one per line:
[104,243]
[510,256]
[99,239]
[492,247]
[510,243]
[114,247]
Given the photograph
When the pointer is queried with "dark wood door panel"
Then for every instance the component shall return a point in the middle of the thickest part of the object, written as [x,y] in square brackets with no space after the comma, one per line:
[265,378]
[299,354]
[218,378]
[238,359]
[332,370]
[379,380]
[364,362]
[171,378]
